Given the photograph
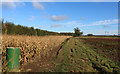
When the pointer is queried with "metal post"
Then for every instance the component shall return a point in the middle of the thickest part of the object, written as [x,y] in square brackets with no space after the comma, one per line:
[12,59]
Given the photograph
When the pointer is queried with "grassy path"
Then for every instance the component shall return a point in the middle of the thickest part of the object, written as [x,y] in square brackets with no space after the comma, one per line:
[75,56]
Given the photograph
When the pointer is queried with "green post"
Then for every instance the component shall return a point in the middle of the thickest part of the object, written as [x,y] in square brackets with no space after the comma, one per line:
[12,59]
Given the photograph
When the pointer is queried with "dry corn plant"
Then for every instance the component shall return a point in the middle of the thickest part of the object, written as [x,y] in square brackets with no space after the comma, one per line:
[30,46]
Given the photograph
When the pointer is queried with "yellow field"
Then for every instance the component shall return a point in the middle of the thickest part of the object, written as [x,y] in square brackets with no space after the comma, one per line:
[30,46]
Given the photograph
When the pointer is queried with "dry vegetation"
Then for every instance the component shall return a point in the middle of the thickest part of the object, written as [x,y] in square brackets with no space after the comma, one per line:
[30,46]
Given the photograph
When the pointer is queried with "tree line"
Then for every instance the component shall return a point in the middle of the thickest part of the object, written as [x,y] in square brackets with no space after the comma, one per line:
[12,29]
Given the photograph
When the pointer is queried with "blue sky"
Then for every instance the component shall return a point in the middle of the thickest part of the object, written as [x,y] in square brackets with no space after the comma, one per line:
[91,17]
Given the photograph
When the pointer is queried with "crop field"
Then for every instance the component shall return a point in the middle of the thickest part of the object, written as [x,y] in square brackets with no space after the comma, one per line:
[64,53]
[30,46]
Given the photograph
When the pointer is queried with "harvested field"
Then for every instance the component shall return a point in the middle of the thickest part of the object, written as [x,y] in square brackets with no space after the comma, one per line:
[108,47]
[30,46]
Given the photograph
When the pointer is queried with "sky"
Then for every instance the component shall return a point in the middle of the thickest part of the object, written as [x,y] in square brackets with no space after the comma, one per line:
[99,18]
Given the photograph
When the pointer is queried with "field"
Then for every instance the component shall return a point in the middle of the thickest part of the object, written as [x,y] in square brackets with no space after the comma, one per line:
[64,53]
[108,47]
[77,56]
[30,46]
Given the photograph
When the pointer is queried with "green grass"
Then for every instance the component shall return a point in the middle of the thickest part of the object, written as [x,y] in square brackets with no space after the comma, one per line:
[75,56]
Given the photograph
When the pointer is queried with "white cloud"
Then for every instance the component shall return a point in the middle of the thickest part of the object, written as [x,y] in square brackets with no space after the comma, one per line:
[59,18]
[104,22]
[37,5]
[11,4]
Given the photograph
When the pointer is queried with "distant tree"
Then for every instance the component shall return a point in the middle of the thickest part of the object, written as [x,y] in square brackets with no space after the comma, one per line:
[77,32]
[90,35]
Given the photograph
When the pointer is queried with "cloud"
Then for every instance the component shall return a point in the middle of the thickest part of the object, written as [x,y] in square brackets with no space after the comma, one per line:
[67,24]
[104,22]
[59,18]
[56,25]
[11,4]
[38,5]
[32,18]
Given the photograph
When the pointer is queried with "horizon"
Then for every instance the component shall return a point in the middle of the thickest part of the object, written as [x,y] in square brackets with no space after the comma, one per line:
[98,18]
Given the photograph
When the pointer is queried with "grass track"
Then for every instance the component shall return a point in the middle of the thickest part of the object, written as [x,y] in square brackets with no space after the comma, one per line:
[75,56]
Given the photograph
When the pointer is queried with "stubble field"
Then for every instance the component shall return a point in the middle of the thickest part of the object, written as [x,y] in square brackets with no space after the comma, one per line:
[30,46]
